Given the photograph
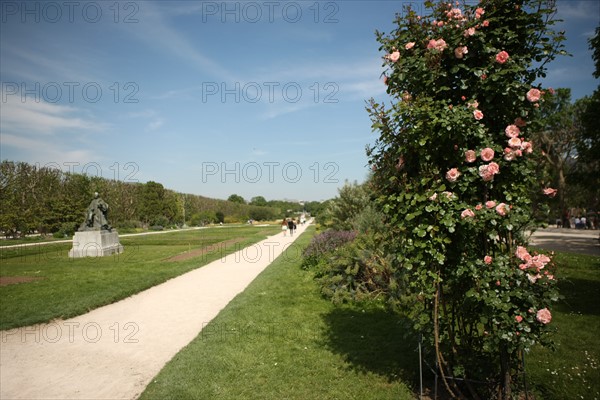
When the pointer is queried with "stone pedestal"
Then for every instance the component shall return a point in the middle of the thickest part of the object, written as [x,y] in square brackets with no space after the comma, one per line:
[95,244]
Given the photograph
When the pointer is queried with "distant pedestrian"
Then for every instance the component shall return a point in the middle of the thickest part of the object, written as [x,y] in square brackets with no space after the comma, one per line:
[291,226]
[284,227]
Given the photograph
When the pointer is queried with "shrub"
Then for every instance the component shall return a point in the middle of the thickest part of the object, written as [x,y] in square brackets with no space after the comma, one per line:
[324,243]
[356,271]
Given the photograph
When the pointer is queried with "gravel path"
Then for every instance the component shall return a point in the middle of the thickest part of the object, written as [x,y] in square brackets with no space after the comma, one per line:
[114,351]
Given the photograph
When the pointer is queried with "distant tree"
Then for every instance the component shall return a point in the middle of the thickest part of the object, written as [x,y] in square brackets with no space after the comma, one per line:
[595,47]
[588,143]
[220,216]
[152,203]
[258,201]
[258,213]
[557,138]
[234,198]
[350,202]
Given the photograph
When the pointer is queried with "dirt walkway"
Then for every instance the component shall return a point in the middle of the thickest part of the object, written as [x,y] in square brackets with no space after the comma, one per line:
[113,352]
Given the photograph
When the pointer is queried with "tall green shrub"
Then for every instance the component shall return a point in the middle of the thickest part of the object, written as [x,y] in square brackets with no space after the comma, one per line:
[453,174]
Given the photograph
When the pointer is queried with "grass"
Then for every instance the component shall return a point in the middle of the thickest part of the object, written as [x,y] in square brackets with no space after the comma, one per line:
[72,287]
[572,371]
[280,339]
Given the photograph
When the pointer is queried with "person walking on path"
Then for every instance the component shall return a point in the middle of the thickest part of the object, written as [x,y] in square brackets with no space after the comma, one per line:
[284,226]
[291,225]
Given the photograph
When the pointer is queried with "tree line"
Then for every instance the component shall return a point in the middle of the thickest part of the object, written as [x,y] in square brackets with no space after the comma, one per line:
[49,201]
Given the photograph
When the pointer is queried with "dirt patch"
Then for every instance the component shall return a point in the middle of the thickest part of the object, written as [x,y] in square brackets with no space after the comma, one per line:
[204,250]
[13,280]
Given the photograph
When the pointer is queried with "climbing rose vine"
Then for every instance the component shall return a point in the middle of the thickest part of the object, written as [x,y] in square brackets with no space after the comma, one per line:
[452,173]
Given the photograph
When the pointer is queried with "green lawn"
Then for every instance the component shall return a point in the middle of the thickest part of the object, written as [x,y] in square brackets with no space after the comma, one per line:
[70,287]
[572,371]
[280,339]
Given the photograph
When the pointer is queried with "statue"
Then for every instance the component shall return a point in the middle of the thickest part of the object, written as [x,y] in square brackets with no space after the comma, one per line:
[95,237]
[95,217]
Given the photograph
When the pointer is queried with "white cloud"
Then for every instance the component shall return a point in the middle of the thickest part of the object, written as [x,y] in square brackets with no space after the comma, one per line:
[39,117]
[153,28]
[155,124]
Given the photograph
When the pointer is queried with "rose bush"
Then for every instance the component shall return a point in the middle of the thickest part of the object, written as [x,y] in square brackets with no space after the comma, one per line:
[463,85]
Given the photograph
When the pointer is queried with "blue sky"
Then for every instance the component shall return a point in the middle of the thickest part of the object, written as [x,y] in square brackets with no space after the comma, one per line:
[255,98]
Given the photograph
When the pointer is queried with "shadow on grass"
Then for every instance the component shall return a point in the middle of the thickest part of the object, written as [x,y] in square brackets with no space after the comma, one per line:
[580,296]
[374,341]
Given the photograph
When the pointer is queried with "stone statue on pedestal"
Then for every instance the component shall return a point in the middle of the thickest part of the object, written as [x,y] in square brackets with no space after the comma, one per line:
[95,237]
[96,216]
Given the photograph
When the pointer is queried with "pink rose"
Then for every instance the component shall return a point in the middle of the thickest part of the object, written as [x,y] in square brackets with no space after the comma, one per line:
[487,171]
[478,207]
[550,192]
[534,95]
[438,45]
[478,115]
[487,260]
[551,91]
[509,154]
[518,318]
[469,32]
[409,45]
[522,253]
[433,197]
[502,57]
[449,195]
[527,147]
[395,56]
[514,142]
[490,204]
[467,214]
[486,23]
[493,168]
[487,154]
[473,104]
[502,209]
[452,175]
[455,13]
[544,316]
[512,131]
[479,12]
[470,156]
[460,51]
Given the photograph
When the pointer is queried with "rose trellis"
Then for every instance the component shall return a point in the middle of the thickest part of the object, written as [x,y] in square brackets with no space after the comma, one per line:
[452,171]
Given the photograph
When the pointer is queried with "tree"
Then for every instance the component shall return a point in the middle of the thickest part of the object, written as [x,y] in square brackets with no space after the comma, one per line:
[258,201]
[557,139]
[588,143]
[234,198]
[152,203]
[452,173]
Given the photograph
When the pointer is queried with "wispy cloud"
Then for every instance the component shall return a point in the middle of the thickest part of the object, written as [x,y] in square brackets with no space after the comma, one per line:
[45,132]
[155,124]
[154,30]
[40,117]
